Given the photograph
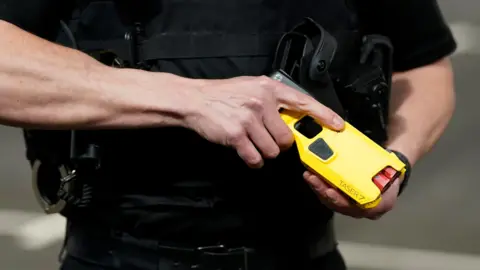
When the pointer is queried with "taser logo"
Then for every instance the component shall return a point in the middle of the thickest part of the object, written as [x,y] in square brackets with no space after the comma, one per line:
[351,191]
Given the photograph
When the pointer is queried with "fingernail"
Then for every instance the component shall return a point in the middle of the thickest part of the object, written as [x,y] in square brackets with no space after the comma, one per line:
[257,165]
[338,122]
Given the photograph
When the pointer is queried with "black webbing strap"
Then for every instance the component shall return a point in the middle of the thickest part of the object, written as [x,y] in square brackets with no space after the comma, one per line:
[181,46]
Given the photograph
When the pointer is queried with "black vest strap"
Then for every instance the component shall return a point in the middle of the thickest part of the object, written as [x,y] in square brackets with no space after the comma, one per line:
[120,47]
[184,46]
[174,46]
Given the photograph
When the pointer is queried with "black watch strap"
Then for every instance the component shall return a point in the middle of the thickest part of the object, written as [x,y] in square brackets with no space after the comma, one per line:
[408,169]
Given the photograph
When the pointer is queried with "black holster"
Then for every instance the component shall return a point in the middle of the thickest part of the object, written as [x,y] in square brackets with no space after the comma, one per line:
[352,77]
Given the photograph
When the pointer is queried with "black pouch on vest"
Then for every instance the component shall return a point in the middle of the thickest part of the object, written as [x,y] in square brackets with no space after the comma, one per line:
[364,88]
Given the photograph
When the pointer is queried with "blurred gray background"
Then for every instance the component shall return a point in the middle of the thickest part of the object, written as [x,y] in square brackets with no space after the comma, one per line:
[434,226]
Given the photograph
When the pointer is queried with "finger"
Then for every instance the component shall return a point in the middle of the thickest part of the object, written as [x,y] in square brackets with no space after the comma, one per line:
[294,100]
[350,210]
[332,198]
[263,140]
[326,191]
[387,203]
[339,199]
[376,213]
[247,151]
[280,132]
[343,205]
[321,185]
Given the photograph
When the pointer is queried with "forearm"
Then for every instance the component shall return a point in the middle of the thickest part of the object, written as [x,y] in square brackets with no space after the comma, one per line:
[422,104]
[43,85]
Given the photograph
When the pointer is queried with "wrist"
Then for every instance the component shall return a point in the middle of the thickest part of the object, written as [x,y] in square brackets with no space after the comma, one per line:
[409,151]
[408,169]
[152,99]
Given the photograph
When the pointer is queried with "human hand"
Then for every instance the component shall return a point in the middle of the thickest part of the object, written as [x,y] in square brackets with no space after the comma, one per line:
[339,202]
[242,113]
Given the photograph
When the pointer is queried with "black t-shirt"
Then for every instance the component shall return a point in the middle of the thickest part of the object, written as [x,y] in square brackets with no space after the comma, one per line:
[416,28]
[275,200]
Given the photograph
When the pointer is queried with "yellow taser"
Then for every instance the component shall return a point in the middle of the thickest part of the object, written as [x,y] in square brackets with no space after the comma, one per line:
[347,159]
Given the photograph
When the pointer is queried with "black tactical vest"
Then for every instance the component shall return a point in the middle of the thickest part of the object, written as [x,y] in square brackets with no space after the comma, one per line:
[171,178]
[193,29]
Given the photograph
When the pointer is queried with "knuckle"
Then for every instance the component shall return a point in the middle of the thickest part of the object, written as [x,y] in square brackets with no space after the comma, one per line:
[266,86]
[264,81]
[322,192]
[247,118]
[236,135]
[301,101]
[256,103]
